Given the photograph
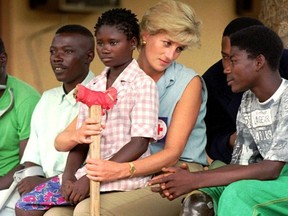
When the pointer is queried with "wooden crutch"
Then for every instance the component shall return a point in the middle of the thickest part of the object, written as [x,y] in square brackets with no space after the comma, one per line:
[96,101]
[94,152]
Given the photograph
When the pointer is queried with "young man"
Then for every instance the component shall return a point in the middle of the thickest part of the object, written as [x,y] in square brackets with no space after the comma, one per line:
[223,104]
[260,151]
[71,52]
[17,102]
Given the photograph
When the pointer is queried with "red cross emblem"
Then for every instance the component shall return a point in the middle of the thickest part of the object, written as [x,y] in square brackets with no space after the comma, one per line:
[162,129]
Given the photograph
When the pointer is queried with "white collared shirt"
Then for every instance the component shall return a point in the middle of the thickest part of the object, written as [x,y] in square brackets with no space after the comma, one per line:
[53,113]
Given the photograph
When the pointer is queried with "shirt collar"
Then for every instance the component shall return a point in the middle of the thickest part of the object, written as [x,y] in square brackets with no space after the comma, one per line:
[276,94]
[168,79]
[128,74]
[10,98]
[70,96]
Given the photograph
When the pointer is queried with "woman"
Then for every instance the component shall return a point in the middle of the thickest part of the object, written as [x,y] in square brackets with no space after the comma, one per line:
[167,29]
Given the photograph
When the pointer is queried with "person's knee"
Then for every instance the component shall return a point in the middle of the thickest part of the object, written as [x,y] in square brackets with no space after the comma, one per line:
[82,208]
[236,190]
[22,212]
[197,204]
[18,211]
[238,196]
[60,211]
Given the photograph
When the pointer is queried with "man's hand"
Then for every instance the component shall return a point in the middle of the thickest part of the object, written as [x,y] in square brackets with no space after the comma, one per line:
[174,182]
[27,184]
[75,192]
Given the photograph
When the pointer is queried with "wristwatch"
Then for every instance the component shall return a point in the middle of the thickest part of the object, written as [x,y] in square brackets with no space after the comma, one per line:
[132,169]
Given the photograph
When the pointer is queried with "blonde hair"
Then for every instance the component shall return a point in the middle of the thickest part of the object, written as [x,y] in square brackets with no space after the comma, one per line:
[176,19]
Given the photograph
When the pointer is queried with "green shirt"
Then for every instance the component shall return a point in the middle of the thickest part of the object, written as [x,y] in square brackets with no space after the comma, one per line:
[17,103]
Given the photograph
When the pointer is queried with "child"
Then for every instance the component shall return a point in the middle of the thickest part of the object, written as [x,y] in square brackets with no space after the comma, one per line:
[260,151]
[129,126]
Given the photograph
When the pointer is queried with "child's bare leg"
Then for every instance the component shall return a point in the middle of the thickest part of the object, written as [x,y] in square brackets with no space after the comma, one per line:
[22,212]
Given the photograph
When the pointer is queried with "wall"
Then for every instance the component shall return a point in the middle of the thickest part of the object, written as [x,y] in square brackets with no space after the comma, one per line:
[28,33]
[274,15]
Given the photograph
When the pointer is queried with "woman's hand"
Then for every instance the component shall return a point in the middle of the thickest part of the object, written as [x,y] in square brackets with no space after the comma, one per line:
[103,170]
[90,127]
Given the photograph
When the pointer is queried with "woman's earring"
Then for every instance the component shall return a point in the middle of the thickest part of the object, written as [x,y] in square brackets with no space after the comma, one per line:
[143,42]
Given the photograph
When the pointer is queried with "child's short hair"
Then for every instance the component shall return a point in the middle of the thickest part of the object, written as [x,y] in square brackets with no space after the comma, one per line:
[123,19]
[257,40]
[176,19]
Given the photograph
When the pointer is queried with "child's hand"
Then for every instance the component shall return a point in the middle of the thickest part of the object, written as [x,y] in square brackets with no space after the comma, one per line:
[66,189]
[76,191]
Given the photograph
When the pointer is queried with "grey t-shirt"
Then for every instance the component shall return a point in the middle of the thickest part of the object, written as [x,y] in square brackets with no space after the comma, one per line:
[262,128]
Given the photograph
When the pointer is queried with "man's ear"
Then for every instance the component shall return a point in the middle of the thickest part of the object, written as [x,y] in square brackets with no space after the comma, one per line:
[260,61]
[91,55]
[3,58]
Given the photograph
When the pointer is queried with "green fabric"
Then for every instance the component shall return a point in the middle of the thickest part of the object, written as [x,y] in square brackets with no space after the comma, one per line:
[15,122]
[215,193]
[252,197]
[273,207]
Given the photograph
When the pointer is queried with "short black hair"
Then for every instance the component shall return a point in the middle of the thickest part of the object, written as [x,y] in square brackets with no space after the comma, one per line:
[74,28]
[123,19]
[239,24]
[256,40]
[77,29]
[2,47]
